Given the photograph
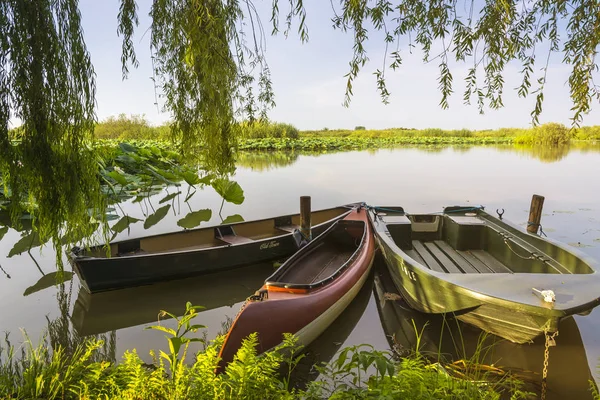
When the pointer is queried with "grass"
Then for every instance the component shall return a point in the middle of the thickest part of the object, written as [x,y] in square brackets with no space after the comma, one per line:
[358,372]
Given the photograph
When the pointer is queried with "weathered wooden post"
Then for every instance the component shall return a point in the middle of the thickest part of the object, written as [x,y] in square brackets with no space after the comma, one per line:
[305,217]
[535,213]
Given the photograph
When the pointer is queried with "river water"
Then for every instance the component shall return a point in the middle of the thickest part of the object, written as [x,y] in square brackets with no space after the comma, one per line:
[419,179]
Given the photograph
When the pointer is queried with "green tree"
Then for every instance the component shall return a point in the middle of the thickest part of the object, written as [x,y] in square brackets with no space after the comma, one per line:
[210,67]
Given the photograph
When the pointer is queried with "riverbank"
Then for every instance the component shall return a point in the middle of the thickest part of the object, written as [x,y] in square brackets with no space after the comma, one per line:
[82,370]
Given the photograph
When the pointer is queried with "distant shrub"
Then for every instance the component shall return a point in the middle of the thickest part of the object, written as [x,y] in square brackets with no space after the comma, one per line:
[257,130]
[587,133]
[125,127]
[548,134]
[359,128]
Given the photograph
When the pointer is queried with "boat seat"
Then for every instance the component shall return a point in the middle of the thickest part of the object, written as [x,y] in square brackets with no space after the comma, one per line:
[235,239]
[287,228]
[227,234]
[439,256]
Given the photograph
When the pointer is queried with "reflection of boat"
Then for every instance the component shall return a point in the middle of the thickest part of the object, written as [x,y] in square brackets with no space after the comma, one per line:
[102,312]
[490,273]
[190,252]
[310,290]
[323,348]
[452,340]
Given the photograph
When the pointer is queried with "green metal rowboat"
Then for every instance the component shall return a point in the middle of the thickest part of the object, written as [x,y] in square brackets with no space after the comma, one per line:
[487,272]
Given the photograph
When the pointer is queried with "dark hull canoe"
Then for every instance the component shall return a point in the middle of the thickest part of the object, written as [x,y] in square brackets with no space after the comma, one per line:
[484,270]
[442,338]
[310,290]
[193,252]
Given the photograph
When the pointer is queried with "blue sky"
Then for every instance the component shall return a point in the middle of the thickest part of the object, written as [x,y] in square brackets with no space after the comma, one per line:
[309,81]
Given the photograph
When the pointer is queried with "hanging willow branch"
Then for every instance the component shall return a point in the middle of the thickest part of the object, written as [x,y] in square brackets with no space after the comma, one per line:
[47,82]
[487,36]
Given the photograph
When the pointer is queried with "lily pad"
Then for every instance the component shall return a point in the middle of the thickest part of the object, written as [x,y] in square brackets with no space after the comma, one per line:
[47,281]
[194,218]
[231,191]
[169,197]
[155,218]
[118,177]
[127,148]
[124,223]
[233,218]
[25,243]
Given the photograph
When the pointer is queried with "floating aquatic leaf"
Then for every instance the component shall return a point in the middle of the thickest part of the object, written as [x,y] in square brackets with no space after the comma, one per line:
[231,191]
[25,243]
[127,148]
[124,223]
[169,197]
[48,280]
[155,218]
[111,217]
[233,218]
[194,218]
[118,177]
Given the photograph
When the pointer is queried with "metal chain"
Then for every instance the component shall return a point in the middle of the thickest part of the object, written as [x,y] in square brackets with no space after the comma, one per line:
[549,343]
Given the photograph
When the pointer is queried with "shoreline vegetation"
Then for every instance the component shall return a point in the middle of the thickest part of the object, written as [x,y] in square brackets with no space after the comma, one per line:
[281,136]
[82,370]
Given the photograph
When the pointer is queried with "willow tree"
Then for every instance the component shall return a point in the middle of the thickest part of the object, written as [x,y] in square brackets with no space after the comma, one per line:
[210,67]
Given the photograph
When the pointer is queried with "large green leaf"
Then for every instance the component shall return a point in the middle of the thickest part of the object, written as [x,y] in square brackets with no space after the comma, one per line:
[120,178]
[158,215]
[124,223]
[233,218]
[231,191]
[194,218]
[168,197]
[49,280]
[127,148]
[25,243]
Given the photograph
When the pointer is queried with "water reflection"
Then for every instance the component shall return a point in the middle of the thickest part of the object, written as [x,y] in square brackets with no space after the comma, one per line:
[118,309]
[322,349]
[60,332]
[268,160]
[264,161]
[448,339]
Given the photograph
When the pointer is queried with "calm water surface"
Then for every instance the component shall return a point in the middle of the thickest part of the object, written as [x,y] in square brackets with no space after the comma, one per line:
[421,180]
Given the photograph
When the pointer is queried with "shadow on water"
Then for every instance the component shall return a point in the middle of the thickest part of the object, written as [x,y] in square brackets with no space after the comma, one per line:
[106,311]
[447,339]
[324,348]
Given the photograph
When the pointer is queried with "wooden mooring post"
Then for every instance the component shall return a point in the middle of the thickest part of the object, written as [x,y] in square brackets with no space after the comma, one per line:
[305,217]
[535,213]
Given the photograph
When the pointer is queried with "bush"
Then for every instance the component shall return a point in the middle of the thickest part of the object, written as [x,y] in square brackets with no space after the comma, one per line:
[125,127]
[359,128]
[258,130]
[548,134]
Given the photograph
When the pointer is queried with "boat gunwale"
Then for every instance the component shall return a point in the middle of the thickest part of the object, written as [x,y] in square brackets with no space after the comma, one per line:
[85,258]
[313,243]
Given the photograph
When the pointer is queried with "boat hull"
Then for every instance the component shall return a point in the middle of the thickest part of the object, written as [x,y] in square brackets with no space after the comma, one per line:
[502,303]
[306,315]
[99,274]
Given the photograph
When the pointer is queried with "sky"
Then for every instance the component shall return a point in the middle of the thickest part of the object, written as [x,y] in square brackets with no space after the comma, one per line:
[309,84]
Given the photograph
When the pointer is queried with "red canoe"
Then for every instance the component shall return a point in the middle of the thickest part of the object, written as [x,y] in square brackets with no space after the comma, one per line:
[310,290]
